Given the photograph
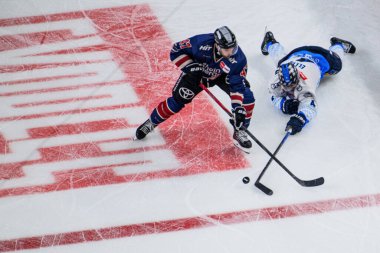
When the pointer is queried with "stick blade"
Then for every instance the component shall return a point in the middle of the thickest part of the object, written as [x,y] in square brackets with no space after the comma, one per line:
[314,182]
[264,189]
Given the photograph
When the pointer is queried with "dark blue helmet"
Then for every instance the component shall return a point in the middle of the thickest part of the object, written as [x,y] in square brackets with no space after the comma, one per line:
[288,74]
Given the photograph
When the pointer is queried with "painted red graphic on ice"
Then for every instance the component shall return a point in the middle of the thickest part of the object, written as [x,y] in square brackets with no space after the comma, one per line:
[75,86]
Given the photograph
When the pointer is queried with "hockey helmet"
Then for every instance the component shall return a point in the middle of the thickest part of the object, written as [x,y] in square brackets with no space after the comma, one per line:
[225,38]
[288,74]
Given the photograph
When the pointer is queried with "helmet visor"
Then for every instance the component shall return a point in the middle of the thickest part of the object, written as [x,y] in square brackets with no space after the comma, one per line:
[228,50]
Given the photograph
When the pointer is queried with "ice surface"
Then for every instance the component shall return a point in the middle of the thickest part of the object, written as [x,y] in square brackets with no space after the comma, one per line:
[78,76]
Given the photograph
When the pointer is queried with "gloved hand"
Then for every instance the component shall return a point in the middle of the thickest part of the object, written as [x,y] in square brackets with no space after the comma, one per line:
[194,68]
[206,82]
[296,123]
[290,106]
[239,117]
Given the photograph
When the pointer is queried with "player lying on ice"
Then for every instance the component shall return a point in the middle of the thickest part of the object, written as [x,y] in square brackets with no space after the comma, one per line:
[298,75]
[213,59]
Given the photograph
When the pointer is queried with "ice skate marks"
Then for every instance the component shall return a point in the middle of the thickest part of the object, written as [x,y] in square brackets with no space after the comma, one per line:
[74,86]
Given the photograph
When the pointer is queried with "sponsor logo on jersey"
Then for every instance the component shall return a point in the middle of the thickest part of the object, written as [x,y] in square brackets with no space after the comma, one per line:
[186,93]
[224,67]
[211,72]
[232,60]
[205,48]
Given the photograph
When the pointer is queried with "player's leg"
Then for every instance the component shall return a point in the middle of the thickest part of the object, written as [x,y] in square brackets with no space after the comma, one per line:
[240,137]
[272,47]
[249,105]
[345,45]
[185,89]
[338,48]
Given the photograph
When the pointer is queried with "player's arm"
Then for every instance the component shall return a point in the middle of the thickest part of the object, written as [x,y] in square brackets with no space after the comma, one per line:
[182,55]
[307,105]
[307,109]
[280,100]
[238,83]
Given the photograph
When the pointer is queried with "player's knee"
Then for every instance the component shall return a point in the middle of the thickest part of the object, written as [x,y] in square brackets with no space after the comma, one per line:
[185,89]
[174,105]
[183,96]
[335,64]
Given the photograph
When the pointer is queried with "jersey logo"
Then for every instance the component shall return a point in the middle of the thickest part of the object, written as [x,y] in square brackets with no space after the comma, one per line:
[205,48]
[224,67]
[232,60]
[302,75]
[186,93]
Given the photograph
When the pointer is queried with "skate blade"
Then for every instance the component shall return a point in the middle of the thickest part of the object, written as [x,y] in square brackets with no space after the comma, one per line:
[245,150]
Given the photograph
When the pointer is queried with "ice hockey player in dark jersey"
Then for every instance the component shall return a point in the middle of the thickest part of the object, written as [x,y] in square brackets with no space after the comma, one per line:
[213,59]
[298,74]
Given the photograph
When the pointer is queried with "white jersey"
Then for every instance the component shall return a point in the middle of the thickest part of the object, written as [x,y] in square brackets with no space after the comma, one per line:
[310,76]
[310,72]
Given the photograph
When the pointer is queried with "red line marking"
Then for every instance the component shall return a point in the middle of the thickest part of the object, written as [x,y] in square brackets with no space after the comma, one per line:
[57,89]
[46,79]
[61,101]
[28,67]
[4,147]
[39,19]
[152,76]
[76,111]
[167,226]
[84,127]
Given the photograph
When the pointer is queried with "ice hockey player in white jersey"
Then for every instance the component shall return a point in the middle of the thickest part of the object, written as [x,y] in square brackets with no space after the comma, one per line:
[298,74]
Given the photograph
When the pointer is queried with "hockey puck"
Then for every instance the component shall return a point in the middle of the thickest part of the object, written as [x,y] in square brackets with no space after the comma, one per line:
[246,180]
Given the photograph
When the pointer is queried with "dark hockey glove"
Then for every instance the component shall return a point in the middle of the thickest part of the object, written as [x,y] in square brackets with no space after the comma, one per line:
[206,82]
[290,106]
[296,123]
[194,68]
[239,117]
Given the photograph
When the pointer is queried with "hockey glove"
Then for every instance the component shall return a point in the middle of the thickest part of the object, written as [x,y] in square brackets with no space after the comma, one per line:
[194,69]
[296,123]
[290,106]
[239,117]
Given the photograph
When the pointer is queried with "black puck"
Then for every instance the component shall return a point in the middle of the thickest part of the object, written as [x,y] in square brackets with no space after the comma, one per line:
[246,180]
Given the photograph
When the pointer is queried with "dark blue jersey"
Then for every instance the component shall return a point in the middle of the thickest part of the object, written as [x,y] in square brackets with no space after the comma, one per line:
[202,49]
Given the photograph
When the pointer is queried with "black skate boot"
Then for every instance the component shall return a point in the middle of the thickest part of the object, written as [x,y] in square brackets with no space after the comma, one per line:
[348,47]
[268,38]
[144,129]
[241,141]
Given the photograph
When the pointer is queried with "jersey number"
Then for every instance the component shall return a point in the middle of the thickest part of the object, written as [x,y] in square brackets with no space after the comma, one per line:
[184,44]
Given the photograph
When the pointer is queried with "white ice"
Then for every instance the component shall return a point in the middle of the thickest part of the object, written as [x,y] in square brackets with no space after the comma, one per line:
[341,144]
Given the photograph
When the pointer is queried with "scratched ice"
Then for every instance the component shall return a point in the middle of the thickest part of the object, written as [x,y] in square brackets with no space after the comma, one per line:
[78,77]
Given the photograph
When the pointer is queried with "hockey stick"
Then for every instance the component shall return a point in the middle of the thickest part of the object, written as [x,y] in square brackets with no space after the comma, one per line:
[306,183]
[259,185]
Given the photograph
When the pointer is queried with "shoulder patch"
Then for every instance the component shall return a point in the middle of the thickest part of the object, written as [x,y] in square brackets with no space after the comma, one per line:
[224,67]
[302,75]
